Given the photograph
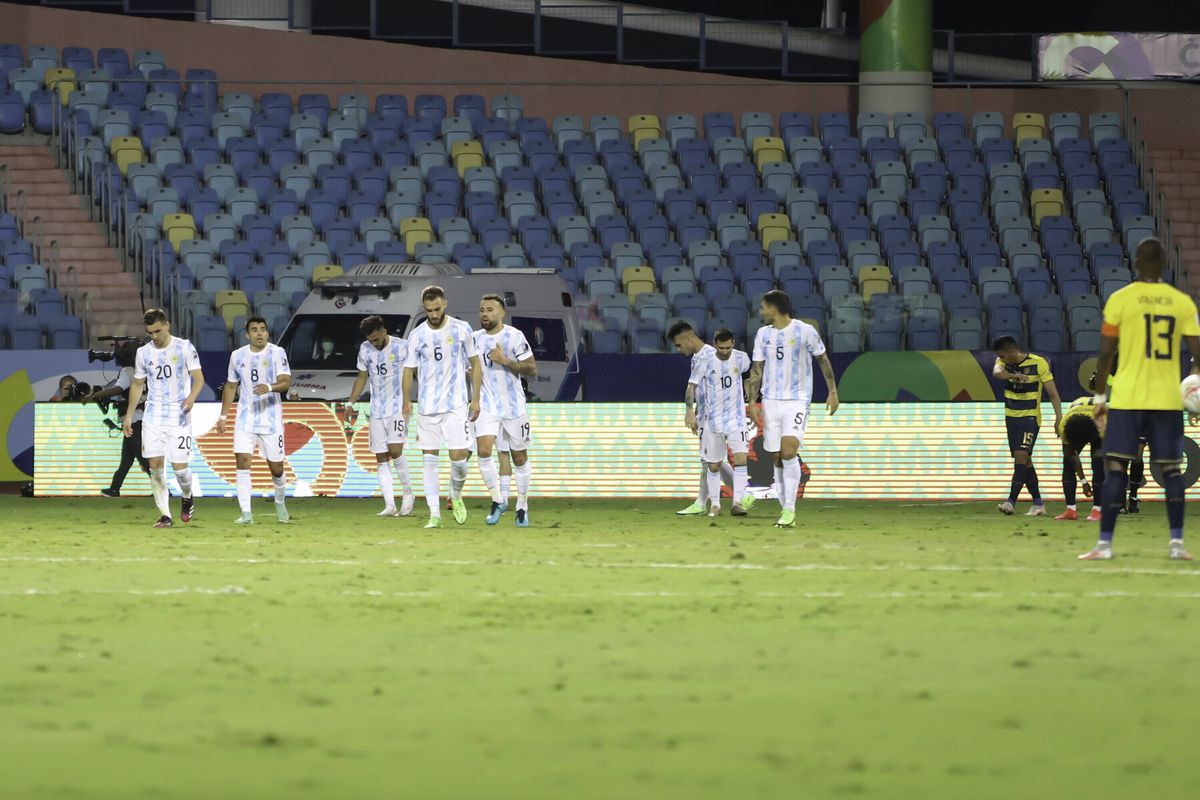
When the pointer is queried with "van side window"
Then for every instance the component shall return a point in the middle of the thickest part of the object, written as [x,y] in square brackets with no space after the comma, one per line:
[547,336]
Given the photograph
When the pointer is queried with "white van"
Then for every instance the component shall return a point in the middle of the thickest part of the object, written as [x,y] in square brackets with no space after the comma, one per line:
[322,339]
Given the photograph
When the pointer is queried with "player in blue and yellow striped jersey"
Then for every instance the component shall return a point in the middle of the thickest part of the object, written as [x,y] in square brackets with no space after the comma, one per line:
[1025,375]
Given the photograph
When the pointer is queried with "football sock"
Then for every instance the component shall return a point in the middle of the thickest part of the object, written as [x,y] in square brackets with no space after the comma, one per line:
[780,490]
[400,467]
[280,487]
[458,478]
[158,485]
[491,477]
[184,476]
[505,485]
[243,490]
[1112,502]
[386,487]
[433,486]
[726,473]
[791,482]
[1097,480]
[1137,474]
[523,473]
[1175,506]
[714,487]
[1031,481]
[1018,480]
[1070,482]
[702,495]
[739,483]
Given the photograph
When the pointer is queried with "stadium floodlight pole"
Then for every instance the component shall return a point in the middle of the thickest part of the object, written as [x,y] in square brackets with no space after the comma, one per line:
[895,70]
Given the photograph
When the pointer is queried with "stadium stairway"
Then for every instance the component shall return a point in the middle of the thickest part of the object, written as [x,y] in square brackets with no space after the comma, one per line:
[1177,174]
[112,293]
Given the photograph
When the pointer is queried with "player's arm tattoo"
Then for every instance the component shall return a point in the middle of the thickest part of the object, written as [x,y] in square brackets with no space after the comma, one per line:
[827,370]
[754,382]
[527,368]
[689,397]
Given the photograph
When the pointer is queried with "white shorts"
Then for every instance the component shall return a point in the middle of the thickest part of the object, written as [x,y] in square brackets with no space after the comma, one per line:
[173,442]
[384,431]
[451,427]
[715,446]
[511,433]
[270,445]
[783,418]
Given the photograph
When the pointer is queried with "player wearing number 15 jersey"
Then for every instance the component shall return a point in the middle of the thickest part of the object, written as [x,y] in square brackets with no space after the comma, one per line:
[168,369]
[258,373]
[1145,322]
[381,363]
[784,350]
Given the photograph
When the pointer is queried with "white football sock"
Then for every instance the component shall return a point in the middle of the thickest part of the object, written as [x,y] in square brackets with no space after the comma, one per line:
[385,485]
[280,487]
[433,485]
[791,482]
[505,485]
[523,473]
[726,473]
[458,478]
[739,483]
[702,495]
[491,477]
[184,476]
[243,490]
[779,491]
[713,479]
[158,486]
[400,467]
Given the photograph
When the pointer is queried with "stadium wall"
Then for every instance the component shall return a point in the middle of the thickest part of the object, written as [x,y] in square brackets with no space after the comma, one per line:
[318,63]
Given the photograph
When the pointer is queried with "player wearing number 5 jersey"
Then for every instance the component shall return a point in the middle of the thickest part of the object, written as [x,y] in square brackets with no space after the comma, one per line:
[784,350]
[258,374]
[1145,323]
[168,370]
[381,364]
[440,351]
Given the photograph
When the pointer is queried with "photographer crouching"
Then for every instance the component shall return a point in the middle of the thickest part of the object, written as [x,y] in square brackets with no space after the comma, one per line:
[117,392]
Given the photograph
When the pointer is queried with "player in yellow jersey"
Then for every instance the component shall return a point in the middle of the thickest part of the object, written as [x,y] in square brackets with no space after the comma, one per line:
[1146,322]
[1077,430]
[1025,375]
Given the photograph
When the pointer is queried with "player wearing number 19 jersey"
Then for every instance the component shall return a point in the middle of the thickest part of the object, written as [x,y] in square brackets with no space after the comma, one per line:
[1146,322]
[258,373]
[381,364]
[784,351]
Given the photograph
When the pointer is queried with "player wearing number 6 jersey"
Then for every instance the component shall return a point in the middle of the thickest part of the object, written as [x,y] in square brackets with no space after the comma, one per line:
[1145,322]
[506,358]
[784,350]
[168,370]
[440,350]
[259,374]
[381,363]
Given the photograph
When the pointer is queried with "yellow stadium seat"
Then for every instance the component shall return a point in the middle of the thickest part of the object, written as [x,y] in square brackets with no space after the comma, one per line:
[61,80]
[323,272]
[466,154]
[1046,203]
[178,228]
[773,228]
[874,280]
[638,280]
[768,150]
[644,126]
[409,224]
[414,230]
[1028,126]
[127,150]
[231,304]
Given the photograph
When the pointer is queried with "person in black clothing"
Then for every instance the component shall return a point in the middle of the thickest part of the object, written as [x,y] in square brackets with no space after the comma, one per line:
[118,390]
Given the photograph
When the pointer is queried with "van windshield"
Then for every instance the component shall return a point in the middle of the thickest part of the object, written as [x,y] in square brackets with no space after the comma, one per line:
[330,341]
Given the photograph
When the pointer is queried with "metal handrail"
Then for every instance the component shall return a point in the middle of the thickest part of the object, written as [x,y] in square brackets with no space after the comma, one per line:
[5,187]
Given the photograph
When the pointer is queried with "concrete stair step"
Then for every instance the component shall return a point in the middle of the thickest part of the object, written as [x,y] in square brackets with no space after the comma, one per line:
[38,203]
[66,239]
[75,215]
[28,160]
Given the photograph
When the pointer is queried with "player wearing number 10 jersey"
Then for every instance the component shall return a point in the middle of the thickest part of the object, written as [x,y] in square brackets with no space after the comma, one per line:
[168,369]
[260,371]
[1145,322]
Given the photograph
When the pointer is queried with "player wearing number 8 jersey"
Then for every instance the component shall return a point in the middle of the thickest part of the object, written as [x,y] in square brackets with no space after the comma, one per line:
[440,351]
[381,364]
[168,370]
[784,350]
[258,373]
[1144,323]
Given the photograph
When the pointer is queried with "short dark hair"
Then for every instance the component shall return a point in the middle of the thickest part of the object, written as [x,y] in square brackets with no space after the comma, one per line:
[432,293]
[723,335]
[70,378]
[256,318]
[1150,253]
[370,324]
[1003,343]
[680,327]
[494,297]
[1079,431]
[153,316]
[779,301]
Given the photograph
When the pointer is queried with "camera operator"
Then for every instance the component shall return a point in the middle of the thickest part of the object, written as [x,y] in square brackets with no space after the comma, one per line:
[118,391]
[66,389]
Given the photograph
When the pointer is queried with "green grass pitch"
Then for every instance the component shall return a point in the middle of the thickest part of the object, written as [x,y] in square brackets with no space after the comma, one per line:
[613,650]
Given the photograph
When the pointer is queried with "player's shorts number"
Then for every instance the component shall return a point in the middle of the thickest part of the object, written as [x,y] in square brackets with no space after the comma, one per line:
[162,371]
[185,443]
[726,381]
[398,426]
[1160,327]
[525,431]
[800,418]
[281,442]
[1027,439]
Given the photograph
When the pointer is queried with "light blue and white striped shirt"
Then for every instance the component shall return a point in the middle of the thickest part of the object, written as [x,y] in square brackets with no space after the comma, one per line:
[385,371]
[501,394]
[724,400]
[698,358]
[258,413]
[441,358]
[787,354]
[167,372]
